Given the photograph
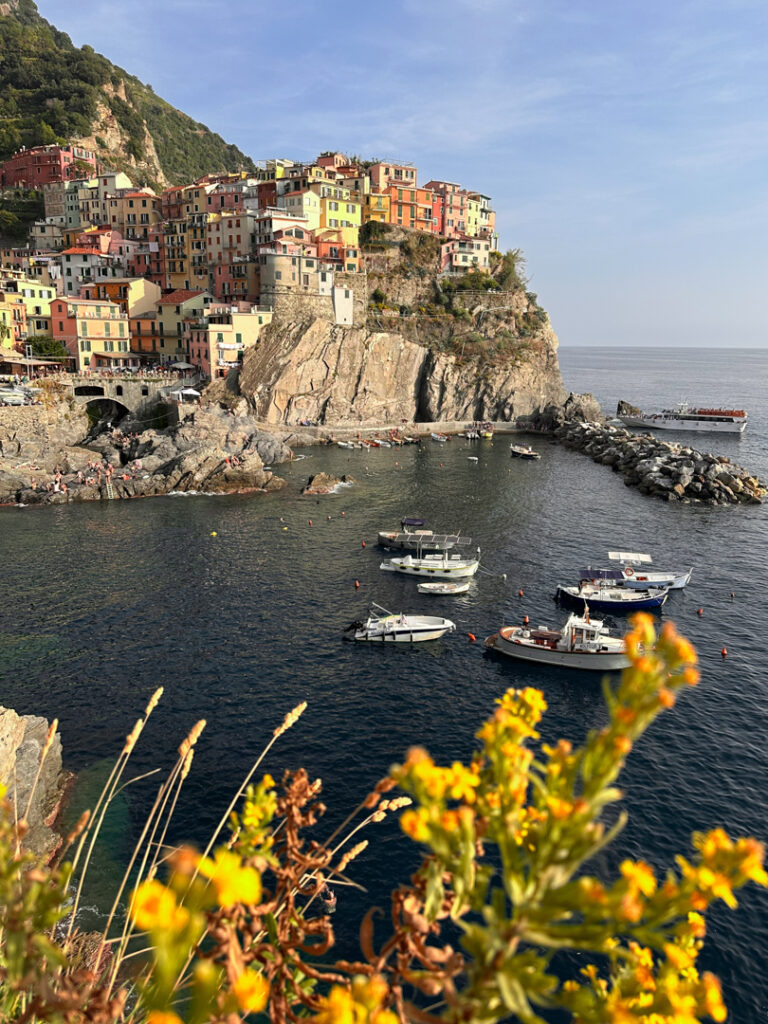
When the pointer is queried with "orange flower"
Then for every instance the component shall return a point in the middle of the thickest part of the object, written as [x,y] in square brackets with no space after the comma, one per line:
[154,908]
[234,882]
[640,876]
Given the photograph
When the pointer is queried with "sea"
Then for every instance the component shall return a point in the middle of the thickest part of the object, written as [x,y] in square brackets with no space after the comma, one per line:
[237,605]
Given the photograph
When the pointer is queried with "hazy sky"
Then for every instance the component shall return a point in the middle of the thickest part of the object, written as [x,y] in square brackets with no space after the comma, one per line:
[624,143]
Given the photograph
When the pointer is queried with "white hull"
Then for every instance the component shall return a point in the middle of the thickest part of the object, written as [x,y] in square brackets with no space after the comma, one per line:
[675,423]
[408,629]
[597,661]
[437,571]
[443,588]
[642,580]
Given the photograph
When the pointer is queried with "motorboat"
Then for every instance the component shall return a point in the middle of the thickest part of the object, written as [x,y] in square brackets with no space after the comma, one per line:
[442,566]
[634,575]
[384,626]
[441,438]
[685,417]
[521,451]
[472,435]
[471,458]
[414,537]
[606,598]
[443,588]
[582,643]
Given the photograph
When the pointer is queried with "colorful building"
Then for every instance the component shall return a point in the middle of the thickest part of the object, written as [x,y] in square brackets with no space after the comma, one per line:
[172,310]
[33,168]
[133,295]
[13,322]
[36,297]
[384,173]
[375,207]
[95,332]
[218,339]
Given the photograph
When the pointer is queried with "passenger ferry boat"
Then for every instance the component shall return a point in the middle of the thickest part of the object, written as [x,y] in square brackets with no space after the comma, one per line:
[685,417]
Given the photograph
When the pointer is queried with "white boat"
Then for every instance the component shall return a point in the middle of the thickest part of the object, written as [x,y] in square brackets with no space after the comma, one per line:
[443,588]
[415,538]
[442,438]
[402,628]
[606,598]
[445,567]
[582,643]
[471,458]
[521,451]
[685,417]
[472,435]
[635,575]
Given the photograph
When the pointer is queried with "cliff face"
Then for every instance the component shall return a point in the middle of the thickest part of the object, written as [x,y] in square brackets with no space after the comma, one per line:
[322,372]
[476,359]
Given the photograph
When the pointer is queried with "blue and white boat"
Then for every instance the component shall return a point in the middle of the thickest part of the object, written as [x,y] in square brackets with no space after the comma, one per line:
[603,597]
[635,575]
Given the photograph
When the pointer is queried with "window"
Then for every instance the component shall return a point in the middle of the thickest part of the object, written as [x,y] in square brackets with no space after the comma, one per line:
[107,330]
[84,329]
[239,338]
[278,275]
[109,346]
[85,345]
[121,330]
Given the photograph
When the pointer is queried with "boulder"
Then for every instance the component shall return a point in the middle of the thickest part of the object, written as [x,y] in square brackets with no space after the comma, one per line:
[325,483]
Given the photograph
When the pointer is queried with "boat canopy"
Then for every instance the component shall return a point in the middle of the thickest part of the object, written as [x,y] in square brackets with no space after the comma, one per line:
[630,556]
[601,574]
[412,522]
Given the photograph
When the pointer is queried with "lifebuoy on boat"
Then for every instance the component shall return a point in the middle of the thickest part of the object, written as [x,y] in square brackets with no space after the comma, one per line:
[629,571]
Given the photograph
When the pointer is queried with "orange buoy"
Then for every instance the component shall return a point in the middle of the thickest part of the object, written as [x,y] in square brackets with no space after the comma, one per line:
[520,593]
[471,637]
[363,543]
[329,518]
[724,652]
[441,463]
[309,521]
[526,620]
[342,513]
[699,611]
[357,584]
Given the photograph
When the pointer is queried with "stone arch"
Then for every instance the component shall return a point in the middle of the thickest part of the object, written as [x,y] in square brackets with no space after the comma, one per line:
[89,389]
[106,410]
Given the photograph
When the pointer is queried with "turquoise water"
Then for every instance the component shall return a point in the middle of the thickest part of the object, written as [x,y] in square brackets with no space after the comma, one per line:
[105,602]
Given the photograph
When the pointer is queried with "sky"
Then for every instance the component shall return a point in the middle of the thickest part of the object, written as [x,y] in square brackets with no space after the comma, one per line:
[623,144]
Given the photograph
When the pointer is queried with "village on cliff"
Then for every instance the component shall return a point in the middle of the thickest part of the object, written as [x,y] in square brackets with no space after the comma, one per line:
[125,278]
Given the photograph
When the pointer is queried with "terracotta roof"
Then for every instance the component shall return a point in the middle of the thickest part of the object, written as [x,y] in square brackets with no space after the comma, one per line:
[139,195]
[77,251]
[179,296]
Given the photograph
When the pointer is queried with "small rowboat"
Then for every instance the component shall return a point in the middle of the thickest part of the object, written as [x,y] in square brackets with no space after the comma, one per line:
[443,588]
[402,628]
[521,451]
[441,438]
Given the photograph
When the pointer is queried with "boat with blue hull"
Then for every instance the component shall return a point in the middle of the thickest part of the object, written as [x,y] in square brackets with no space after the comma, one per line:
[607,598]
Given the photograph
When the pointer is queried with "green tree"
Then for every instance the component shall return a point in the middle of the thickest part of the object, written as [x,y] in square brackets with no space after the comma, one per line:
[44,346]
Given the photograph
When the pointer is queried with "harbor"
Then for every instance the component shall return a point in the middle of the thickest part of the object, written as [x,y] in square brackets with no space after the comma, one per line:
[120,597]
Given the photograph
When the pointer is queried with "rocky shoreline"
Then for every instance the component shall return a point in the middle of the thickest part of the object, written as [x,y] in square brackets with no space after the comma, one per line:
[670,471]
[216,450]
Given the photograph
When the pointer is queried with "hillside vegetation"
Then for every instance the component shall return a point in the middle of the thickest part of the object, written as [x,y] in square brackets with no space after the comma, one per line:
[51,91]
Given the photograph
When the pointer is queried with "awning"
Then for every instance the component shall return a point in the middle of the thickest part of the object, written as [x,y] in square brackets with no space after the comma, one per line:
[182,366]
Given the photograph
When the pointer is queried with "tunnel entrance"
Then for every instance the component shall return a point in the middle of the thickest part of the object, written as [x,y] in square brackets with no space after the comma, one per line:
[104,413]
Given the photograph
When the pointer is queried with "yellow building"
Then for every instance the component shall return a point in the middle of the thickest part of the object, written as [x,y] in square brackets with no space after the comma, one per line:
[13,323]
[376,207]
[36,297]
[172,311]
[218,340]
[176,257]
[340,208]
[302,204]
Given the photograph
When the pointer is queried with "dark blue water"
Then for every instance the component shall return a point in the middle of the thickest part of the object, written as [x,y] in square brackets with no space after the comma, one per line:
[102,603]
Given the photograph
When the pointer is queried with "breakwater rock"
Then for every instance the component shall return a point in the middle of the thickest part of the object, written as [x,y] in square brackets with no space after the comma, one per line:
[670,471]
[214,450]
[21,744]
[325,483]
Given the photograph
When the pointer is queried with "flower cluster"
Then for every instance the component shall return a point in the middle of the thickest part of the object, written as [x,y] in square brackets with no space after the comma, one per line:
[364,1002]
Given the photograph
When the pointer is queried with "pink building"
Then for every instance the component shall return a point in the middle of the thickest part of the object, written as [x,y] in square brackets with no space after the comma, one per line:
[42,165]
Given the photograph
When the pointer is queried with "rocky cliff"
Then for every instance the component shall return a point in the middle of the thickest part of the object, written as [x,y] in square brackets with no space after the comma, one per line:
[423,347]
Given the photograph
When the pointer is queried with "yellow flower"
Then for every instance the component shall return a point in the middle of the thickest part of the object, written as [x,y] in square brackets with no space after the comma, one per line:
[234,883]
[154,907]
[677,956]
[251,991]
[362,1004]
[559,808]
[463,783]
[696,925]
[414,824]
[163,1017]
[640,876]
[713,998]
